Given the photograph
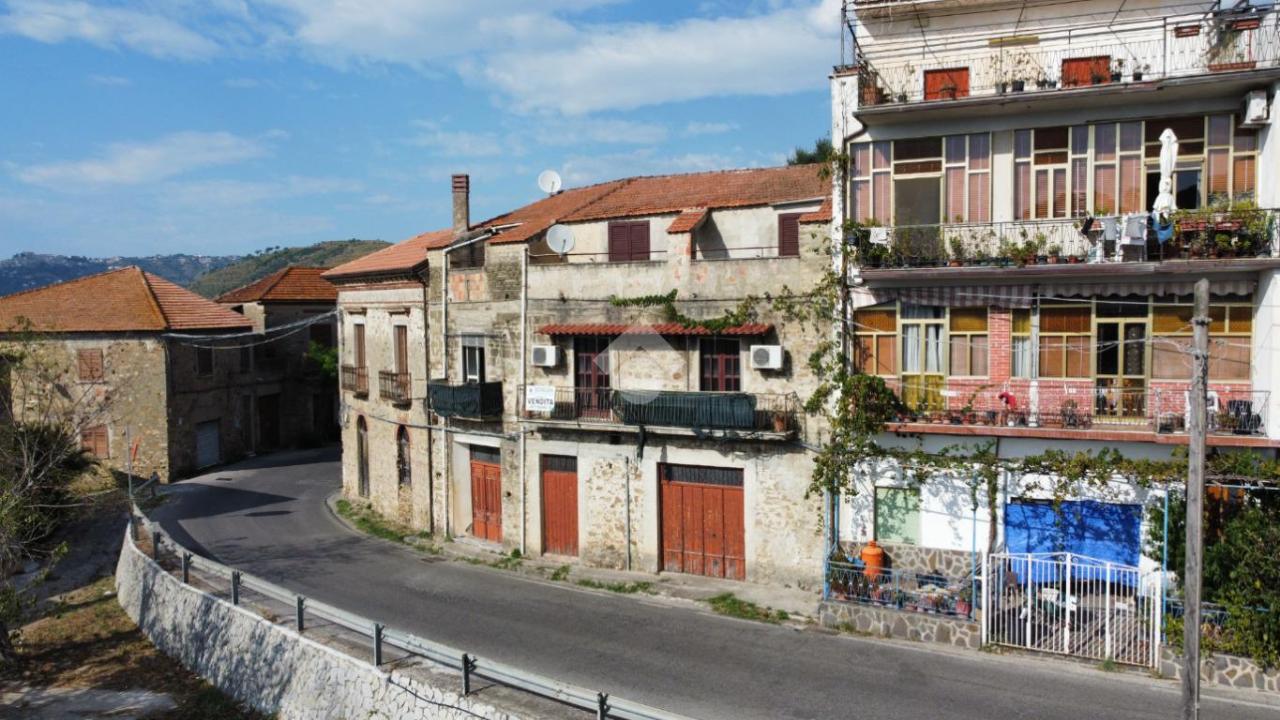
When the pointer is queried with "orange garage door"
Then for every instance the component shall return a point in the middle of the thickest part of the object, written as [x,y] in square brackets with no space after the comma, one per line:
[486,494]
[702,521]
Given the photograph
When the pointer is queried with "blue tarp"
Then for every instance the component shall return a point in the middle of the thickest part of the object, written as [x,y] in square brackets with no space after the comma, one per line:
[1108,532]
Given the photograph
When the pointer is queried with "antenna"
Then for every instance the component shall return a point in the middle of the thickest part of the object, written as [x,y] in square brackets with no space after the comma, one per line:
[549,182]
[560,239]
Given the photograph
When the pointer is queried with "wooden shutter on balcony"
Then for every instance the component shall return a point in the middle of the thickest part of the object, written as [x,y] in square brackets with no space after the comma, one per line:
[358,332]
[402,349]
[94,441]
[789,235]
[628,241]
[946,84]
[90,364]
[1082,71]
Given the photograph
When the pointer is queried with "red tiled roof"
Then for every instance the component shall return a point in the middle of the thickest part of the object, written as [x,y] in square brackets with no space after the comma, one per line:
[687,221]
[658,329]
[722,189]
[821,215]
[127,299]
[627,197]
[290,284]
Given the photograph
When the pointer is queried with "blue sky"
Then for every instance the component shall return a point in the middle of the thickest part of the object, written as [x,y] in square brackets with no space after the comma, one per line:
[224,126]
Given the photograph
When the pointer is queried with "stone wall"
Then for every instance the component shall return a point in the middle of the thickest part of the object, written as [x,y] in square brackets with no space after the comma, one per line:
[1227,670]
[273,668]
[883,622]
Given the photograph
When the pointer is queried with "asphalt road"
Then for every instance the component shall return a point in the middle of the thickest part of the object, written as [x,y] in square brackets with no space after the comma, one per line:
[268,517]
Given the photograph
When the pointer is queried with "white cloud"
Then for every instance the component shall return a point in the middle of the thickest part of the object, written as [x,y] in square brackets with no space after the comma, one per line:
[140,163]
[234,193]
[573,131]
[459,143]
[697,128]
[153,34]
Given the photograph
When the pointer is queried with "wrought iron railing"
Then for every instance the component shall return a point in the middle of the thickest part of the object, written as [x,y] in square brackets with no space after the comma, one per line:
[1103,55]
[906,590]
[1194,234]
[355,379]
[471,401]
[396,387]
[758,412]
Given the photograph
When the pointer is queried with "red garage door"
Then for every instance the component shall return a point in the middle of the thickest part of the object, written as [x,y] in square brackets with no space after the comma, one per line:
[702,521]
[486,494]
[560,504]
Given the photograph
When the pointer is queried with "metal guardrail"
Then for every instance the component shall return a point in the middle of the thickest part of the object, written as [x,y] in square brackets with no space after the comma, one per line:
[471,666]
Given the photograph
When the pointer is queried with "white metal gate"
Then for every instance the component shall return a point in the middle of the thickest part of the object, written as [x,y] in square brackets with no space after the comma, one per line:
[1072,605]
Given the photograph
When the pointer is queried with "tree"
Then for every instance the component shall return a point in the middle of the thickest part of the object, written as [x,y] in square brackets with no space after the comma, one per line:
[40,456]
[823,152]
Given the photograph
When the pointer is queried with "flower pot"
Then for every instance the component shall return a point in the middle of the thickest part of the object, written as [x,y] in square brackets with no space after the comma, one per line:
[1115,77]
[1018,85]
[1137,76]
[779,423]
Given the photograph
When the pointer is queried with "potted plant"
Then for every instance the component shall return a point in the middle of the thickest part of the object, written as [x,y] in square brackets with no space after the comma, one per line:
[1117,70]
[964,605]
[781,422]
[957,252]
[1070,412]
[1139,71]
[1055,253]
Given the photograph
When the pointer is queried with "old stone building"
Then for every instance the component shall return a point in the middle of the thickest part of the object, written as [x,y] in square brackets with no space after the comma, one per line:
[124,348]
[287,397]
[584,397]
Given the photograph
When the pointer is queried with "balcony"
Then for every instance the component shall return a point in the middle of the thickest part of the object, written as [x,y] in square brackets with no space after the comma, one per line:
[471,401]
[1057,405]
[1055,62]
[1193,235]
[719,411]
[397,387]
[355,380]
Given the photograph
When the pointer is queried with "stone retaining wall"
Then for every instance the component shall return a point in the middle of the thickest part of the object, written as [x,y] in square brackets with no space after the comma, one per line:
[1228,670]
[273,668]
[884,622]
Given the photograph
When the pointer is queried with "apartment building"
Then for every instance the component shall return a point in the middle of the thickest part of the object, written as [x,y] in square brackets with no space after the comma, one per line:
[125,349]
[286,395]
[549,380]
[1012,282]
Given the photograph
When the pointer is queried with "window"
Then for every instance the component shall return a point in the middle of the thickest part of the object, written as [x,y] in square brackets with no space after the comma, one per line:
[473,358]
[1040,172]
[90,365]
[204,361]
[591,376]
[721,364]
[357,344]
[898,515]
[956,169]
[875,334]
[321,334]
[628,241]
[968,335]
[1020,332]
[362,457]
[93,440]
[404,464]
[401,335]
[1065,341]
[946,84]
[1230,341]
[468,256]
[789,235]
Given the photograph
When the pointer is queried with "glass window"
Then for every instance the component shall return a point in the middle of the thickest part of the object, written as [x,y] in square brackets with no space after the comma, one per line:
[1020,329]
[898,515]
[473,358]
[875,340]
[968,338]
[1065,341]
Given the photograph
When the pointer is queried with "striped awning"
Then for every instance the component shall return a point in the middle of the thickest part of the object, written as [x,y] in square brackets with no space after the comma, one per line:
[1006,296]
[1216,287]
[1021,296]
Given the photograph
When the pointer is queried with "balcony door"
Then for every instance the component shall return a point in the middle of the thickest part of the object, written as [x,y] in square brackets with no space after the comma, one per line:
[917,212]
[591,376]
[923,369]
[1121,369]
[721,360]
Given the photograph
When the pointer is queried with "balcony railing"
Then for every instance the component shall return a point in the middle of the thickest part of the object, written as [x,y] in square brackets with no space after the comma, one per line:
[1192,235]
[905,590]
[396,387]
[1082,56]
[355,379]
[1070,405]
[753,412]
[471,401]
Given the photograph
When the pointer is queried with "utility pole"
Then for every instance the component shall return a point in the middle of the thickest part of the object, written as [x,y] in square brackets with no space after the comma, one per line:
[1191,577]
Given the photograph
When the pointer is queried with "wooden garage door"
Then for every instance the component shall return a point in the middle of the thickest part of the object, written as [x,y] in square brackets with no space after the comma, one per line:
[486,494]
[560,504]
[702,521]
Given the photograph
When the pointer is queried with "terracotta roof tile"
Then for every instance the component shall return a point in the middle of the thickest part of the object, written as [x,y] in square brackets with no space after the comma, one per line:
[122,300]
[658,329]
[538,216]
[821,215]
[687,221]
[401,257]
[290,284]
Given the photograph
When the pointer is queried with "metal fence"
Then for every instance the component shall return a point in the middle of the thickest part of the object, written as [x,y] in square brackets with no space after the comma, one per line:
[1070,604]
[380,635]
[757,412]
[906,590]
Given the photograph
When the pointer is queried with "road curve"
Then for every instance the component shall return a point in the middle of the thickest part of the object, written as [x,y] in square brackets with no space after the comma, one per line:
[268,517]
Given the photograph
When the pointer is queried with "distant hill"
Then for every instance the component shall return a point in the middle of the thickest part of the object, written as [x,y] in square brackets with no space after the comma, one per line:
[264,262]
[28,270]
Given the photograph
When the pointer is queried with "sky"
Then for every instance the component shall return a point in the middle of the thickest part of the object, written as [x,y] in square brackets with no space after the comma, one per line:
[138,127]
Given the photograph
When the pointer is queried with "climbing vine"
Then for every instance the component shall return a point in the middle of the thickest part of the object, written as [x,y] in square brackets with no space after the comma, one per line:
[740,315]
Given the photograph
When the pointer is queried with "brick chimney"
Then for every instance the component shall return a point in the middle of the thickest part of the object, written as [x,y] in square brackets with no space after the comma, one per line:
[461,203]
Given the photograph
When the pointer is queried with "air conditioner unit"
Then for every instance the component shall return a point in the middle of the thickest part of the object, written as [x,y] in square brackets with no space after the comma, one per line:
[546,356]
[766,357]
[1255,109]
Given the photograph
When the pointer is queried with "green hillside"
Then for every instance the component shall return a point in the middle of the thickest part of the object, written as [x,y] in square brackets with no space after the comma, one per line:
[266,261]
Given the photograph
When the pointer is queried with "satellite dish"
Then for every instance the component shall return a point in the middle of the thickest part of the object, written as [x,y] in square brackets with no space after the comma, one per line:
[560,239]
[549,182]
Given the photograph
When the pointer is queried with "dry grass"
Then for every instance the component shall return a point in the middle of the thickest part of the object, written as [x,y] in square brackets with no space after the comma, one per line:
[88,641]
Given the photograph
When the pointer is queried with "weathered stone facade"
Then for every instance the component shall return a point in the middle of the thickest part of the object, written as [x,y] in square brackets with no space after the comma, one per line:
[1226,670]
[883,622]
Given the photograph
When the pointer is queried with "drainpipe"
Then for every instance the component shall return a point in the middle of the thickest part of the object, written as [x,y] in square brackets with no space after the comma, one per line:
[425,278]
[524,341]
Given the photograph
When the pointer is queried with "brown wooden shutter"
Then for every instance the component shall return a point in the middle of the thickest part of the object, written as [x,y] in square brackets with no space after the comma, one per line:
[359,343]
[619,242]
[94,440]
[639,241]
[90,364]
[789,235]
[946,84]
[402,349]
[1086,70]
